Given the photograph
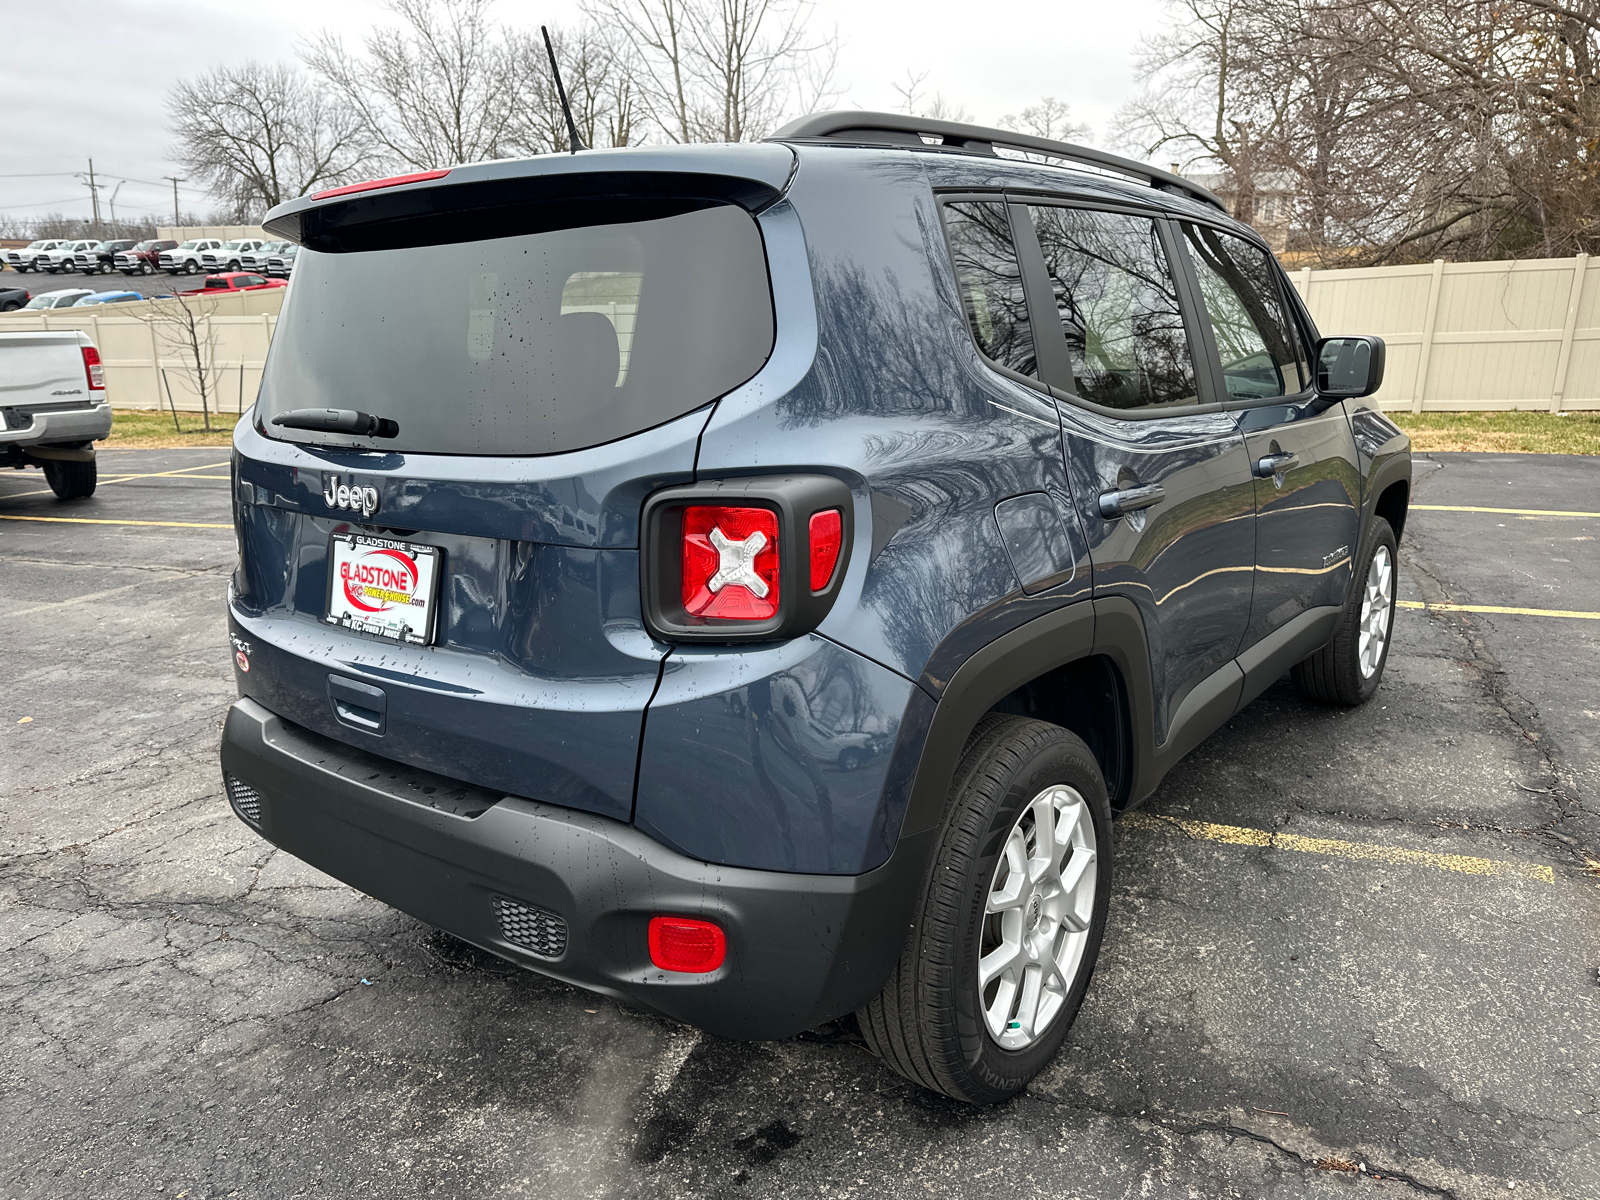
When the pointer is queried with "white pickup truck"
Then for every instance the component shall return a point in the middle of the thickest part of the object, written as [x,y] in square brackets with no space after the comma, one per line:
[53,407]
[186,256]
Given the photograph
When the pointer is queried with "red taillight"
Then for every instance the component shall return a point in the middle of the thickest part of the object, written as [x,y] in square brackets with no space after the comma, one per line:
[687,945]
[373,184]
[93,369]
[827,535]
[730,562]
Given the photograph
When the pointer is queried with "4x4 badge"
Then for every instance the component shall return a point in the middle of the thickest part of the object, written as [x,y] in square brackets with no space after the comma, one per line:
[363,500]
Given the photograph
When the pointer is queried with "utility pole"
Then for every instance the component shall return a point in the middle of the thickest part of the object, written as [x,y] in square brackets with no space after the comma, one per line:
[94,199]
[176,180]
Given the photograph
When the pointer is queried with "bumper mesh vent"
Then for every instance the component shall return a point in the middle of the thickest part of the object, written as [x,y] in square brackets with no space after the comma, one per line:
[245,799]
[535,930]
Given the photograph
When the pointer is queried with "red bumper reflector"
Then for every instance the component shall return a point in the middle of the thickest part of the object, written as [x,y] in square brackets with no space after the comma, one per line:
[730,562]
[687,945]
[827,535]
[373,184]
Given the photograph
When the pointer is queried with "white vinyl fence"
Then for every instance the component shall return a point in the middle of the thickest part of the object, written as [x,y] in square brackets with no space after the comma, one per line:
[147,363]
[1472,336]
[1461,336]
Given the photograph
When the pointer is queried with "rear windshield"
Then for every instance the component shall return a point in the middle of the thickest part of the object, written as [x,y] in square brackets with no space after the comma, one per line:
[534,344]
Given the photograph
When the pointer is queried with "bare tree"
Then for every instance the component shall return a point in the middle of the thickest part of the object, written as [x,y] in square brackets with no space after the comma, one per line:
[441,88]
[184,330]
[598,72]
[1050,118]
[914,100]
[721,70]
[257,135]
[1402,129]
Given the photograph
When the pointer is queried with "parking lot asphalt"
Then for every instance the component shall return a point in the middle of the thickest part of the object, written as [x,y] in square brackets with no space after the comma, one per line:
[1352,952]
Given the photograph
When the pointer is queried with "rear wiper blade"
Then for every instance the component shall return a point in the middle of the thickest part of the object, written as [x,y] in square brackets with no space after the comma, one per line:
[338,420]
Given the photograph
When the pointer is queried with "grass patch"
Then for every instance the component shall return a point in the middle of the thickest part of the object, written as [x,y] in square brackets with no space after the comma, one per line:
[152,429]
[1502,432]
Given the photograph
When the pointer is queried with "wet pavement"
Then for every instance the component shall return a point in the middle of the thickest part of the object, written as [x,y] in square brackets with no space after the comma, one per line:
[1351,951]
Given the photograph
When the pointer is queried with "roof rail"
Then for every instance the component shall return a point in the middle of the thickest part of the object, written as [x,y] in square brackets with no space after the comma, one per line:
[977,139]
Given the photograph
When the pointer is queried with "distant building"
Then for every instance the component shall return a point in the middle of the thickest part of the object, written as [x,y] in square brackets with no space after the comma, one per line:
[1271,204]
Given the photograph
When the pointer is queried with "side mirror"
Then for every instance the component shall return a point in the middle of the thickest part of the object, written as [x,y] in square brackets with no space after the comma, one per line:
[1349,367]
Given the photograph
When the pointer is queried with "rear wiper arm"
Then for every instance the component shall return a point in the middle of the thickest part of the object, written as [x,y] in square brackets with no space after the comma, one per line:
[338,420]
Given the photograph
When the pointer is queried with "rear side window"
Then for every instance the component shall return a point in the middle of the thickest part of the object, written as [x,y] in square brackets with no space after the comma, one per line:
[1118,306]
[1261,356]
[990,279]
[534,344]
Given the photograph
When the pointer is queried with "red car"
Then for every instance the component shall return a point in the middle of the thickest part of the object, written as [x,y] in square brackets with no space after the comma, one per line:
[235,281]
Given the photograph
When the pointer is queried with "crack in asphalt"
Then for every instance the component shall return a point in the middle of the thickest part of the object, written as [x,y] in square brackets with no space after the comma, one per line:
[1517,709]
[1231,1129]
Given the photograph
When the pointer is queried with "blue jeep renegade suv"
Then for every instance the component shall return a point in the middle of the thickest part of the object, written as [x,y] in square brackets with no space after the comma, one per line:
[747,580]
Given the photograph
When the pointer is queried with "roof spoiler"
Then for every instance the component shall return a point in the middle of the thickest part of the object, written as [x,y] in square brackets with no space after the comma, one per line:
[437,211]
[877,128]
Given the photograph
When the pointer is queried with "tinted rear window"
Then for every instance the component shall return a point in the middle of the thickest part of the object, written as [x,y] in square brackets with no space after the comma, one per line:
[533,344]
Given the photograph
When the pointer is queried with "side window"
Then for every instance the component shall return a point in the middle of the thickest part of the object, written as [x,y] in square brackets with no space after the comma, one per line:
[1256,341]
[1118,306]
[990,279]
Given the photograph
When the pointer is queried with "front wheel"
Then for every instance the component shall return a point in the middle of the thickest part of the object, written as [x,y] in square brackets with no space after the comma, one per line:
[71,480]
[1348,669]
[1009,928]
[189,267]
[146,269]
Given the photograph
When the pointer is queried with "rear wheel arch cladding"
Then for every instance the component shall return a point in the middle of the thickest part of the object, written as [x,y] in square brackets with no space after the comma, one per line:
[988,677]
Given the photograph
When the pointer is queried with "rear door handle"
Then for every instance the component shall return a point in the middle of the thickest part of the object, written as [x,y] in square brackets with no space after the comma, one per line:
[1276,464]
[1121,503]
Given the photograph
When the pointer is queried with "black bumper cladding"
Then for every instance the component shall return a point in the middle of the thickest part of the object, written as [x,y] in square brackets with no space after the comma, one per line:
[570,894]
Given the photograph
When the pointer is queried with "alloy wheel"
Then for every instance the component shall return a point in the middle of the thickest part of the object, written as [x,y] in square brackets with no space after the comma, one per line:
[1037,917]
[1377,603]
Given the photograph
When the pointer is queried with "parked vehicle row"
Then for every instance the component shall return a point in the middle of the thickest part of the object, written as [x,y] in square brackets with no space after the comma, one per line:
[12,299]
[74,298]
[90,256]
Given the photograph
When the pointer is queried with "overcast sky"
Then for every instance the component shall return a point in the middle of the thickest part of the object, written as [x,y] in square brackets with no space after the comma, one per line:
[103,93]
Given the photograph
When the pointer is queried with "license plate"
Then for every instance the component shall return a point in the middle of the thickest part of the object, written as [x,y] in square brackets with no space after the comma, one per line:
[384,587]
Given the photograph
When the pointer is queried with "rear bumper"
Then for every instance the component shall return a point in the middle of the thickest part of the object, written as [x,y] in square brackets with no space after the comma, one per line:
[68,425]
[802,949]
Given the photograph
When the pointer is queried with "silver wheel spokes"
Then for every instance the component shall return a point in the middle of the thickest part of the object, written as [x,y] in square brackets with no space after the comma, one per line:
[1377,602]
[1037,916]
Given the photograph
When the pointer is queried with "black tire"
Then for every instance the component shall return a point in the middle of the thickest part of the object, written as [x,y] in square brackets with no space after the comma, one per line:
[1334,674]
[189,267]
[12,307]
[929,1021]
[146,269]
[71,480]
[233,266]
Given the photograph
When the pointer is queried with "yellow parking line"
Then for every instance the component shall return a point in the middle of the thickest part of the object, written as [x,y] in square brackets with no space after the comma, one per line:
[1501,608]
[121,478]
[1509,512]
[1243,835]
[103,521]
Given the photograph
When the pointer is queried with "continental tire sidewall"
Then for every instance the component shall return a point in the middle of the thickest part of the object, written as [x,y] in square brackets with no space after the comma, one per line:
[994,1072]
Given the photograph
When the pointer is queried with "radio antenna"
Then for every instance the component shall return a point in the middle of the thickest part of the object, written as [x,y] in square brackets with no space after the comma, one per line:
[572,127]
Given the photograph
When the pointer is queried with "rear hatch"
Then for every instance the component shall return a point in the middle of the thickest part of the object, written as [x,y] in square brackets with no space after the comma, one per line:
[549,344]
